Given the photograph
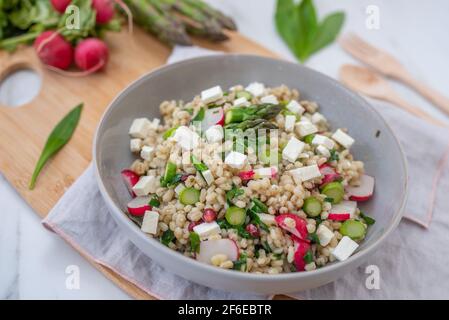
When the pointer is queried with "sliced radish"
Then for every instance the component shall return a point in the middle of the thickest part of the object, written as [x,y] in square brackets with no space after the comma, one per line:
[301,248]
[212,117]
[293,224]
[130,178]
[210,248]
[343,209]
[246,175]
[364,191]
[339,216]
[329,174]
[139,205]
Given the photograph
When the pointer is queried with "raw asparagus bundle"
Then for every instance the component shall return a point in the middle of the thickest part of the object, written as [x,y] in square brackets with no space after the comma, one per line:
[173,20]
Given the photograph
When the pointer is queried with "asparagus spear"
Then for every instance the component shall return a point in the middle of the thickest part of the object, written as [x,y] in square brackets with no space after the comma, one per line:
[262,111]
[224,20]
[252,124]
[155,20]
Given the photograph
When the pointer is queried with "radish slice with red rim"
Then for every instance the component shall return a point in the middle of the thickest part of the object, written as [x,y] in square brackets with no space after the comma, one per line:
[296,225]
[364,191]
[301,248]
[130,178]
[329,174]
[210,248]
[339,216]
[212,117]
[139,205]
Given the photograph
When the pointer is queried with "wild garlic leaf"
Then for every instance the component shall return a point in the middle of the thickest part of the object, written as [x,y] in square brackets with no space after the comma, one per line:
[328,31]
[308,22]
[287,21]
[57,139]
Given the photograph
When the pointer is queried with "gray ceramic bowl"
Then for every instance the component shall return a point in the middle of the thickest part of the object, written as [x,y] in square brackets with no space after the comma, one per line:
[375,145]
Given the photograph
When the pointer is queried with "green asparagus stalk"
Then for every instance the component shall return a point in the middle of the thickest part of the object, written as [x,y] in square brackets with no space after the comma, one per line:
[262,111]
[224,20]
[252,124]
[155,20]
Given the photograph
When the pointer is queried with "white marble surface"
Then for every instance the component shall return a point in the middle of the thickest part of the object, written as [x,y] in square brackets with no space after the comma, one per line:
[33,261]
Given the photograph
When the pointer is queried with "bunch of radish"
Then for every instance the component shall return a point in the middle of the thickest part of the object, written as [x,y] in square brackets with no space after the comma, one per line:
[89,55]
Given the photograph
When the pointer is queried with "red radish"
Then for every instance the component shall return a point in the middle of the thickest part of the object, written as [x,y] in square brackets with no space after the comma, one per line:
[329,174]
[301,248]
[193,224]
[209,215]
[130,178]
[210,248]
[297,227]
[105,10]
[253,230]
[184,177]
[343,209]
[54,50]
[60,5]
[139,205]
[339,216]
[91,54]
[246,175]
[212,117]
[364,191]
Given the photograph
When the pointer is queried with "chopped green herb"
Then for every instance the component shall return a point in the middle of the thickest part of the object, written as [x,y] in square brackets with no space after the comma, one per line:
[198,164]
[328,199]
[368,220]
[200,115]
[169,133]
[223,224]
[167,237]
[277,256]
[241,231]
[154,202]
[233,193]
[194,242]
[266,247]
[313,237]
[334,155]
[189,110]
[258,206]
[240,264]
[308,257]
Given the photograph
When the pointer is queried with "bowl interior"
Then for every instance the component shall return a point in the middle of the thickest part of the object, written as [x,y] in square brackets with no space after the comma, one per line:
[375,144]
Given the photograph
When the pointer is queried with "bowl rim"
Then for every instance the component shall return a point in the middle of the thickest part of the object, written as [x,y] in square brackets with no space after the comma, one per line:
[177,256]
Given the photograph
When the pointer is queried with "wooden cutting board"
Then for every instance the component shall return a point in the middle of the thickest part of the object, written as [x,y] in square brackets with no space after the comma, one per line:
[24,130]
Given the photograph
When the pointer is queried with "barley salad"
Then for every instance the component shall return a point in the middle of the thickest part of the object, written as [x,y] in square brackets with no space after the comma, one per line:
[251,179]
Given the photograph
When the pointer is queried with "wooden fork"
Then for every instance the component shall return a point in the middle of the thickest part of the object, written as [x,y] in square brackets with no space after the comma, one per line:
[388,65]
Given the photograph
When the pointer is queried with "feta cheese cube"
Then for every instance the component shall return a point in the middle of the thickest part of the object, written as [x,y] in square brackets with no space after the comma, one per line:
[146,185]
[292,150]
[323,140]
[304,128]
[207,229]
[211,95]
[318,118]
[322,150]
[256,89]
[139,128]
[324,234]
[266,218]
[305,173]
[150,221]
[265,172]
[344,207]
[179,188]
[270,99]
[214,134]
[343,138]
[295,107]
[344,249]
[186,138]
[135,144]
[235,160]
[241,102]
[208,177]
[290,123]
[146,152]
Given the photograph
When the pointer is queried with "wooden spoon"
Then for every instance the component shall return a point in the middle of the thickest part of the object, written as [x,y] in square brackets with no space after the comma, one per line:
[373,85]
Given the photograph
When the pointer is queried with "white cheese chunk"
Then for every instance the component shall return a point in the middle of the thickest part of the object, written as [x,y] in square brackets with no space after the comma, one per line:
[214,134]
[305,173]
[266,218]
[139,128]
[344,207]
[135,144]
[304,128]
[290,123]
[322,150]
[146,185]
[179,188]
[150,221]
[155,123]
[235,160]
[292,150]
[324,234]
[211,95]
[318,118]
[344,249]
[186,138]
[323,140]
[256,89]
[269,99]
[208,177]
[269,172]
[207,229]
[241,102]
[146,152]
[295,107]
[343,138]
